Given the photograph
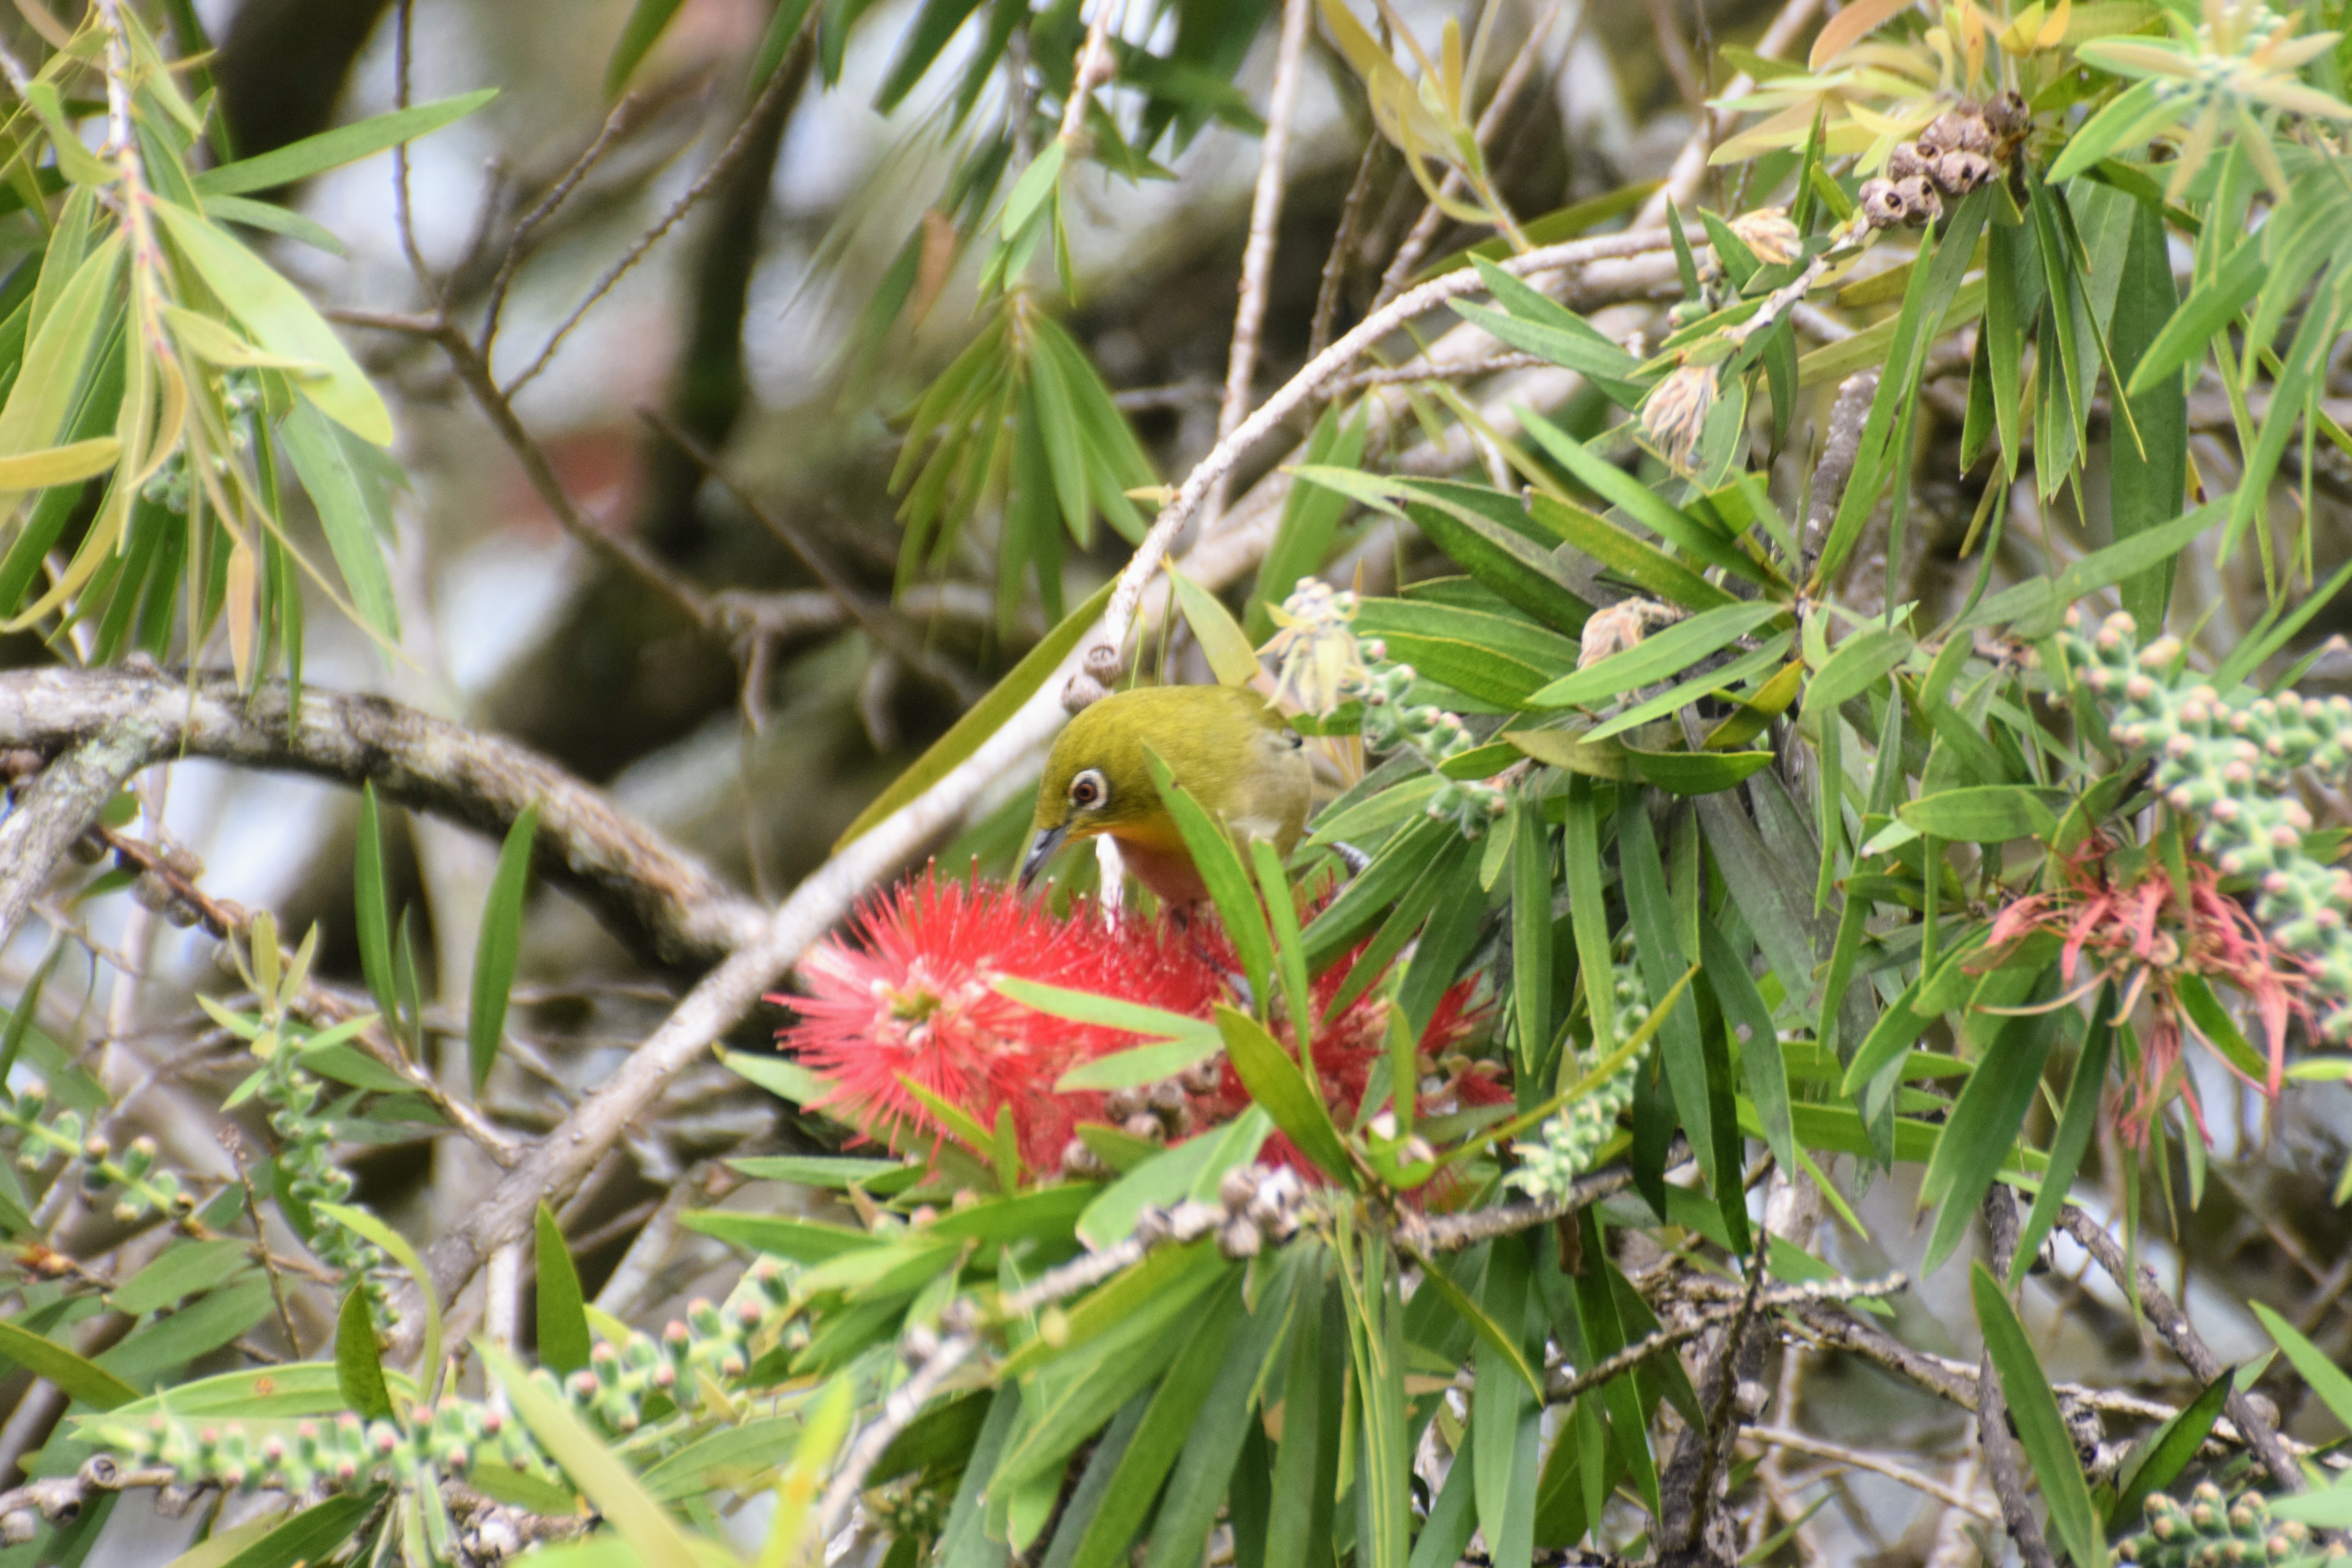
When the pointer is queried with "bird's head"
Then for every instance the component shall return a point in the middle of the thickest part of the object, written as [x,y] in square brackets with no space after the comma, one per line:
[1098,780]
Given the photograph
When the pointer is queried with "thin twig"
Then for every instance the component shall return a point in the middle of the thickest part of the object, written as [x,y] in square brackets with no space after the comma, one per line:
[240,1157]
[1265,216]
[745,132]
[1863,1459]
[1341,256]
[519,245]
[1422,370]
[403,52]
[1093,66]
[2173,1326]
[1999,1444]
[1425,228]
[1812,1293]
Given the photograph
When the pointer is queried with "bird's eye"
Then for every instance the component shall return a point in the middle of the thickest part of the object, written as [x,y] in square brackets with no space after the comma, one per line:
[1088,790]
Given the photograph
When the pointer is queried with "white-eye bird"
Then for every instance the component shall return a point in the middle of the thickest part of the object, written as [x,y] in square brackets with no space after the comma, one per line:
[1231,751]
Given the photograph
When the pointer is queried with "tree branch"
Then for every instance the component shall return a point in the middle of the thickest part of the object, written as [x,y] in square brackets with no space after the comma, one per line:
[1999,1444]
[104,725]
[2173,1325]
[63,799]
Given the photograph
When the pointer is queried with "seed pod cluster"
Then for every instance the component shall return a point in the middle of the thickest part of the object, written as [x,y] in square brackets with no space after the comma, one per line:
[2225,762]
[1960,151]
[1261,1203]
[1155,1112]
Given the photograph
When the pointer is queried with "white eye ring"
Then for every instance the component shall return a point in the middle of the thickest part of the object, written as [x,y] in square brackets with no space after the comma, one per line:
[1089,790]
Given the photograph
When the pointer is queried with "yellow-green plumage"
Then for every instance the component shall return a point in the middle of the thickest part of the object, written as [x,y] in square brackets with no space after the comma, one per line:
[1224,745]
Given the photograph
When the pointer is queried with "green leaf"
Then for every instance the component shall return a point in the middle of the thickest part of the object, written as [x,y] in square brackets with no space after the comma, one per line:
[370,908]
[1506,1420]
[1517,569]
[1643,505]
[1985,813]
[1657,657]
[1306,1467]
[1220,865]
[2326,1379]
[1638,562]
[1588,913]
[2037,607]
[1197,1486]
[498,946]
[343,144]
[1491,1335]
[647,19]
[202,1326]
[1192,1169]
[783,1078]
[82,1378]
[603,1478]
[1275,1082]
[359,1360]
[282,321]
[2169,1451]
[984,718]
[274,219]
[798,1240]
[1859,662]
[1221,638]
[2329,1508]
[1762,1061]
[366,1225]
[1143,1065]
[563,1342]
[2218,1029]
[1985,1121]
[1289,945]
[184,1270]
[355,514]
[1696,773]
[309,1536]
[2075,1125]
[2048,1451]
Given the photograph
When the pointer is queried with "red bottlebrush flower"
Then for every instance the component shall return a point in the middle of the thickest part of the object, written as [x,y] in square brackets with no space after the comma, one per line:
[911,993]
[915,996]
[2132,924]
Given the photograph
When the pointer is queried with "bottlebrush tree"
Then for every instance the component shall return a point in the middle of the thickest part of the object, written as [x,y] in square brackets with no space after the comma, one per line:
[1832,791]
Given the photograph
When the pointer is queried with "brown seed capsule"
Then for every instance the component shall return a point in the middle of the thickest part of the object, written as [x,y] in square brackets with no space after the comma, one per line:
[1081,1162]
[1904,161]
[1202,1077]
[2007,117]
[1143,1124]
[1167,1095]
[1239,1239]
[1920,201]
[1239,1185]
[1957,173]
[152,892]
[89,849]
[1121,1103]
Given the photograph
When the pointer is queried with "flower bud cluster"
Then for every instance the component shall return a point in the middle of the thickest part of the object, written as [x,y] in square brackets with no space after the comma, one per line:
[1323,664]
[139,1188]
[344,1451]
[2212,1530]
[328,1454]
[1566,1146]
[717,1340]
[2224,762]
[908,1510]
[1261,1205]
[1960,151]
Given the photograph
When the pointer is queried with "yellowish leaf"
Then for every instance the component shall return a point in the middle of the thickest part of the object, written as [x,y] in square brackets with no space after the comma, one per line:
[215,343]
[1851,26]
[59,465]
[239,610]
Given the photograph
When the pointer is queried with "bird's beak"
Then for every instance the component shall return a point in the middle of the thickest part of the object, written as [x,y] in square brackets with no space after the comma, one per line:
[1041,850]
